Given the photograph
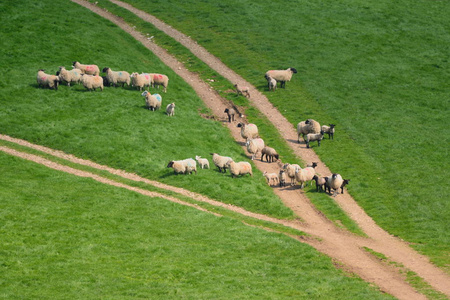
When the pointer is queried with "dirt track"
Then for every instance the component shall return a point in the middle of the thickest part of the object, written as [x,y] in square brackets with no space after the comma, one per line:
[341,245]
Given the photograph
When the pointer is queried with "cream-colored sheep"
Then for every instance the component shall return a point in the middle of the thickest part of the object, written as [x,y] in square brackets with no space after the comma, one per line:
[334,182]
[304,175]
[230,113]
[282,178]
[86,69]
[221,161]
[320,183]
[152,102]
[186,166]
[117,77]
[254,146]
[159,79]
[290,171]
[272,83]
[141,80]
[272,178]
[239,168]
[248,131]
[92,82]
[329,130]
[311,137]
[47,80]
[203,162]
[170,109]
[69,76]
[242,90]
[281,75]
[308,126]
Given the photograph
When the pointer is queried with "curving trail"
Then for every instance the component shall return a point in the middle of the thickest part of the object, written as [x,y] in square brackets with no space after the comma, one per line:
[339,244]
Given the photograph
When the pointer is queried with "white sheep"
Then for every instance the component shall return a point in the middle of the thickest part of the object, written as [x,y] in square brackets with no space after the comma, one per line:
[254,146]
[304,175]
[230,112]
[86,69]
[270,153]
[220,161]
[272,83]
[152,102]
[202,162]
[272,178]
[282,178]
[311,137]
[69,76]
[141,80]
[308,126]
[290,171]
[47,80]
[92,82]
[242,90]
[159,79]
[186,166]
[281,75]
[170,109]
[329,130]
[239,168]
[334,182]
[248,131]
[115,77]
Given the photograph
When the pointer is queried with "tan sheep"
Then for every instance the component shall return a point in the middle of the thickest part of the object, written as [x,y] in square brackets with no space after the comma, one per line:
[117,77]
[69,76]
[254,146]
[242,90]
[92,82]
[272,178]
[304,175]
[170,109]
[281,75]
[86,69]
[141,80]
[248,131]
[152,102]
[239,168]
[47,80]
[308,126]
[221,161]
[159,79]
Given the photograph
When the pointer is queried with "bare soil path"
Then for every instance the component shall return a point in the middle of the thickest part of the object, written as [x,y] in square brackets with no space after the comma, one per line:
[339,244]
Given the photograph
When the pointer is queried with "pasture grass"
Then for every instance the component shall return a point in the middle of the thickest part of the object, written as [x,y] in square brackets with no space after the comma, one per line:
[112,127]
[379,71]
[65,236]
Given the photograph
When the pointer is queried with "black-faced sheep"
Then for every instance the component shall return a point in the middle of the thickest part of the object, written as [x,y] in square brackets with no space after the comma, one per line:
[220,161]
[230,112]
[86,69]
[242,90]
[282,178]
[239,168]
[186,166]
[311,137]
[248,131]
[281,75]
[47,80]
[308,126]
[270,153]
[334,182]
[329,130]
[117,77]
[320,183]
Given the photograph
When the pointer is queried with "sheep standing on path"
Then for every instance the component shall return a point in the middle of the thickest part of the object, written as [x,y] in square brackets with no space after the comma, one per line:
[304,175]
[87,69]
[242,90]
[334,182]
[230,113]
[248,131]
[311,137]
[320,183]
[282,178]
[308,126]
[47,80]
[290,171]
[281,75]
[254,146]
[272,178]
[270,153]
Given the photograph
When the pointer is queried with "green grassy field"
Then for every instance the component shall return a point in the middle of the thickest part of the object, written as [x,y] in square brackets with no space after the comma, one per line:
[65,237]
[379,71]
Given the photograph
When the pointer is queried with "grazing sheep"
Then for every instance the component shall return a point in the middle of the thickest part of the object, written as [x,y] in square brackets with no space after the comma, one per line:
[170,109]
[308,126]
[239,168]
[115,77]
[272,178]
[311,137]
[334,182]
[272,83]
[92,82]
[242,90]
[254,146]
[249,131]
[230,112]
[141,80]
[202,162]
[304,175]
[152,102]
[270,153]
[221,161]
[159,79]
[329,130]
[281,75]
[186,166]
[320,183]
[69,76]
[87,69]
[47,80]
[282,178]
[290,171]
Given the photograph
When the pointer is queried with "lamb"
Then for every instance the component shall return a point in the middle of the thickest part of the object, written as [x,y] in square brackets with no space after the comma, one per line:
[334,182]
[281,75]
[203,162]
[141,80]
[170,109]
[311,137]
[159,79]
[220,161]
[186,166]
[320,183]
[270,153]
[92,82]
[303,175]
[254,146]
[282,178]
[47,80]
[239,168]
[249,131]
[115,77]
[230,112]
[329,130]
[243,90]
[272,83]
[152,102]
[308,126]
[272,178]
[344,183]
[86,69]
[69,76]
[290,171]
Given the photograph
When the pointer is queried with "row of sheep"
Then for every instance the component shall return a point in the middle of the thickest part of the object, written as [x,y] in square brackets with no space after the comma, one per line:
[89,76]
